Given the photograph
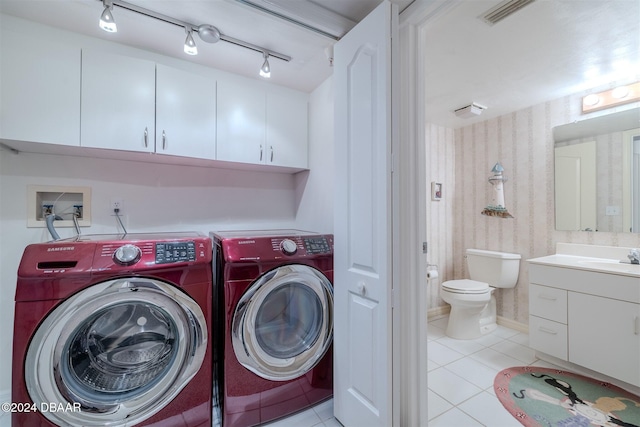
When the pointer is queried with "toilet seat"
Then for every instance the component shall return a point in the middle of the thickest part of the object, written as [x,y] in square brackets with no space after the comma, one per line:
[465,286]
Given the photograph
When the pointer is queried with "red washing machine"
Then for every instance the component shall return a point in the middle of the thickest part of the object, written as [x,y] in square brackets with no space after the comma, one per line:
[273,307]
[114,331]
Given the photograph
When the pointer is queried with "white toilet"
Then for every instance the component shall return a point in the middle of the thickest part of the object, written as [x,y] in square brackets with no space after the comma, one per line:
[473,305]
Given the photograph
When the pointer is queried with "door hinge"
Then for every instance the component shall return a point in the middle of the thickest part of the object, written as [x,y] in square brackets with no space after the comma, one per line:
[424,247]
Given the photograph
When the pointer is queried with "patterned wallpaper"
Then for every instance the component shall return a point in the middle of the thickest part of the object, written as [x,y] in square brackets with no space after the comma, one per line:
[462,160]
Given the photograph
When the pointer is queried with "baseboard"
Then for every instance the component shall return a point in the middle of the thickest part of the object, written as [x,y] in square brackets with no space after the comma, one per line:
[512,324]
[438,312]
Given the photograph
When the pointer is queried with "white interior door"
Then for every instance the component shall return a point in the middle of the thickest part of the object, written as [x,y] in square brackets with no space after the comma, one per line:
[575,169]
[363,223]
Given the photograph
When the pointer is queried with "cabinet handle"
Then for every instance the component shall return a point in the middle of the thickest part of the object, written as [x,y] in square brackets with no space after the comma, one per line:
[548,331]
[547,297]
[271,148]
[637,325]
[146,137]
[164,140]
[260,152]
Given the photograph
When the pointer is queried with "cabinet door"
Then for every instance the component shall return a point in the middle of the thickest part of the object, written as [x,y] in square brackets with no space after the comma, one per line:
[118,102]
[287,137]
[604,335]
[241,123]
[185,113]
[40,89]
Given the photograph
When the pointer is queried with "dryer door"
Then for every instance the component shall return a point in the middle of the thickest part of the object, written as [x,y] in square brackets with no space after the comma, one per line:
[283,324]
[115,353]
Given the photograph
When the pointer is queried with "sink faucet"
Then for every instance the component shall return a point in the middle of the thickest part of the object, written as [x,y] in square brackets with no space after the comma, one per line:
[634,256]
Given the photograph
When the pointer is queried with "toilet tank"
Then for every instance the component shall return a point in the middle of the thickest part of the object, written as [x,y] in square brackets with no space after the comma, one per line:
[498,269]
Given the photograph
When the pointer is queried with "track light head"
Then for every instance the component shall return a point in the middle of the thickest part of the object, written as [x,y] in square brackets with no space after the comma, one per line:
[208,33]
[265,70]
[190,47]
[107,22]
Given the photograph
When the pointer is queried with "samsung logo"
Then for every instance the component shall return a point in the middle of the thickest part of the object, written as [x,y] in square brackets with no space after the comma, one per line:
[246,242]
[61,248]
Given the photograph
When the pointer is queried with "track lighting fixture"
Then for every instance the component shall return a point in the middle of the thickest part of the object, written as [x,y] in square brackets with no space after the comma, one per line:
[207,33]
[190,47]
[265,70]
[107,22]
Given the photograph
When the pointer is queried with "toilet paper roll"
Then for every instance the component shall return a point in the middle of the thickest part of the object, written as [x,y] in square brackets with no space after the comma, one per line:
[432,274]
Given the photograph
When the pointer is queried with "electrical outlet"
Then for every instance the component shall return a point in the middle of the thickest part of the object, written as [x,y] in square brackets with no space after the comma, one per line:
[116,203]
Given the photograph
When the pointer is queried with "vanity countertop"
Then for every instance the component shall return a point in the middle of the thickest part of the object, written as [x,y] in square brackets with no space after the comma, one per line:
[600,265]
[601,259]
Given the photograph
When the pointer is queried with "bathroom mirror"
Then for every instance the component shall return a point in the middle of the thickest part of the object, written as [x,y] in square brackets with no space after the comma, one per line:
[597,173]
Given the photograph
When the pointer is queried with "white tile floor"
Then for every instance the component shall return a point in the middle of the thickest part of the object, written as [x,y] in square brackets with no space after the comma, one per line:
[460,379]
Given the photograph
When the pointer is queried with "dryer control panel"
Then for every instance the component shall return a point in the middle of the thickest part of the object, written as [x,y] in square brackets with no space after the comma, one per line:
[256,247]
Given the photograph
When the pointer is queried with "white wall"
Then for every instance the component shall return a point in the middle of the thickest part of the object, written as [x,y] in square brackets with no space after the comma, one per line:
[315,188]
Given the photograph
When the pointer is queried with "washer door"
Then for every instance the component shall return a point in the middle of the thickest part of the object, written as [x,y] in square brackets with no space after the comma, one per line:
[283,324]
[121,349]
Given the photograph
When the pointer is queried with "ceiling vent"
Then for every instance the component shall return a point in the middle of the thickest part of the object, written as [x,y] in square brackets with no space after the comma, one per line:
[503,10]
[470,111]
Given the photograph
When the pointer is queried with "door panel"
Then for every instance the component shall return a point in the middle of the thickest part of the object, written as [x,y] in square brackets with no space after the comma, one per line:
[576,194]
[362,256]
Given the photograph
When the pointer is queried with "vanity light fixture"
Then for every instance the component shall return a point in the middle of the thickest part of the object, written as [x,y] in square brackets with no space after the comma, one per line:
[611,98]
[265,70]
[207,33]
[107,22]
[190,47]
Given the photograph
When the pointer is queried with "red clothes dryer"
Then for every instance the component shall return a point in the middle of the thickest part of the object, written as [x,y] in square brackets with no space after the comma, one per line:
[273,310]
[114,331]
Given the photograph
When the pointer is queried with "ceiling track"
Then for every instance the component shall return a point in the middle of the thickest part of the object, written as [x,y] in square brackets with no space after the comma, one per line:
[289,19]
[503,10]
[159,16]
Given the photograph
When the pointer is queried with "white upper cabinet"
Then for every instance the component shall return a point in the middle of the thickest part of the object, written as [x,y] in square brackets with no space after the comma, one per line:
[63,89]
[261,125]
[40,86]
[185,113]
[118,102]
[287,137]
[241,122]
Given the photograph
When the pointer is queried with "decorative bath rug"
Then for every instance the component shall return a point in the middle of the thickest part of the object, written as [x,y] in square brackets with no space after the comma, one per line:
[555,398]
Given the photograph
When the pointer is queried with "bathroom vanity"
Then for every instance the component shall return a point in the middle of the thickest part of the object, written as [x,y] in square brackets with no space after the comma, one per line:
[584,308]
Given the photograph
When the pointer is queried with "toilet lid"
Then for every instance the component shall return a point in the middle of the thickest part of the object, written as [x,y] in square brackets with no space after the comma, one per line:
[466,286]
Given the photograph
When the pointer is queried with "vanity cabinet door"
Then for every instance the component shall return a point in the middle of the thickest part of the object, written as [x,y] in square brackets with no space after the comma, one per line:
[604,335]
[118,102]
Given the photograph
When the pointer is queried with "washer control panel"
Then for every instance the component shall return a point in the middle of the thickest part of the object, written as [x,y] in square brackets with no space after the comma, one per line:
[127,254]
[316,245]
[288,247]
[169,252]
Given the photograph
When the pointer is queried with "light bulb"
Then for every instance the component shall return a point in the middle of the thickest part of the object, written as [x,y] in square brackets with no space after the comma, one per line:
[190,47]
[265,70]
[107,22]
[591,100]
[620,92]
